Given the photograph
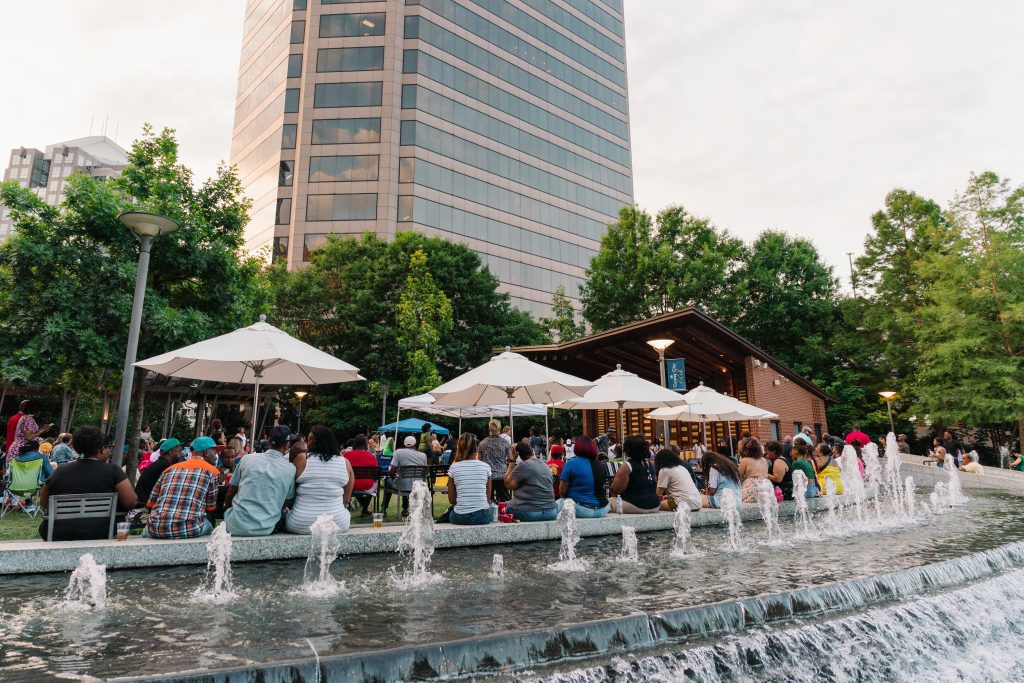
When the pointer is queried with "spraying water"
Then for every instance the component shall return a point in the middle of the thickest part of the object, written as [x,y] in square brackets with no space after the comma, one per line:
[630,551]
[87,588]
[323,551]
[939,499]
[832,520]
[417,540]
[567,560]
[853,485]
[908,497]
[769,510]
[497,566]
[217,586]
[731,514]
[954,492]
[892,478]
[681,526]
[800,512]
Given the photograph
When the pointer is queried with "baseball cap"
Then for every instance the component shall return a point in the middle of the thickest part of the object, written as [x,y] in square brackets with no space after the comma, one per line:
[557,450]
[203,443]
[45,447]
[410,441]
[168,444]
[279,434]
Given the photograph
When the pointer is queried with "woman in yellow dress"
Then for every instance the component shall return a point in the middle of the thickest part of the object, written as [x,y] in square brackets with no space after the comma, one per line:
[827,468]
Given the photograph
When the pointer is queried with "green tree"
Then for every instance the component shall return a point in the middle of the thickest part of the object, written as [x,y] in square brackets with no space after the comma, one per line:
[346,302]
[424,316]
[643,269]
[67,274]
[562,324]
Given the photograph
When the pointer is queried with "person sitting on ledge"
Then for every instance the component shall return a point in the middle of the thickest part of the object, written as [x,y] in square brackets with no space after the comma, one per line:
[324,482]
[753,468]
[184,498]
[170,454]
[722,475]
[469,485]
[91,473]
[261,486]
[533,498]
[584,479]
[556,463]
[971,465]
[635,480]
[780,470]
[801,462]
[675,482]
[827,469]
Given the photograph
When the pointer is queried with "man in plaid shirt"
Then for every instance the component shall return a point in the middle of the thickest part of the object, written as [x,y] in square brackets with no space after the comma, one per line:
[185,495]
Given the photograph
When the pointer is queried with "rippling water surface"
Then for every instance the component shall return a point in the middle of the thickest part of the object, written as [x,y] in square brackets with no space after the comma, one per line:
[151,626]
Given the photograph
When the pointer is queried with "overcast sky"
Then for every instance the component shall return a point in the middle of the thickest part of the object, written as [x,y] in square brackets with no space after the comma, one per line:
[792,114]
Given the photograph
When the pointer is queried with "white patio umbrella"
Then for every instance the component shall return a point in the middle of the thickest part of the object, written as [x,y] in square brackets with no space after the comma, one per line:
[258,354]
[510,378]
[620,389]
[425,403]
[704,404]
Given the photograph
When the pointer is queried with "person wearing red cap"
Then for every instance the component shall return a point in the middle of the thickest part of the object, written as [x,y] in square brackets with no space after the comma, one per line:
[556,464]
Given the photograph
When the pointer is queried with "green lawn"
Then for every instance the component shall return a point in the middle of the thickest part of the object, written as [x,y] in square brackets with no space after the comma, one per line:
[17,526]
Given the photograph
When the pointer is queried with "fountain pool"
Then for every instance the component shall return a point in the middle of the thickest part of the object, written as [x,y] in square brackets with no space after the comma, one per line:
[149,626]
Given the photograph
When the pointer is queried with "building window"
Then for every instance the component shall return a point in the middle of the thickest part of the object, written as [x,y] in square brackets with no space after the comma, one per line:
[291,100]
[294,66]
[817,431]
[798,427]
[405,204]
[298,31]
[298,5]
[341,207]
[351,25]
[310,243]
[284,211]
[776,430]
[286,173]
[343,168]
[289,131]
[280,250]
[345,131]
[349,59]
[347,94]
[406,169]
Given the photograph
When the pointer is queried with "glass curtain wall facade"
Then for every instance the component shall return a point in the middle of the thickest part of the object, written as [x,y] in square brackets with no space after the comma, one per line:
[500,124]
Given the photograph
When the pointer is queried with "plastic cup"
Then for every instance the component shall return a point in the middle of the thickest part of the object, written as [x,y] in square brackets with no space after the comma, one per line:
[378,520]
[122,531]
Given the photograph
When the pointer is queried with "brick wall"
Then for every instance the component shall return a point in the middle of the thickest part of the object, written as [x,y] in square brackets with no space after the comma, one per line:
[791,401]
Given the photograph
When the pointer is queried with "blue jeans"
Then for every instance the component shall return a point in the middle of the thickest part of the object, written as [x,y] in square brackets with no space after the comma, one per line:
[207,529]
[475,518]
[585,512]
[534,515]
[812,490]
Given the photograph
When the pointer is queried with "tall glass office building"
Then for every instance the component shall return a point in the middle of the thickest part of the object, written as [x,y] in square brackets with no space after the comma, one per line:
[500,124]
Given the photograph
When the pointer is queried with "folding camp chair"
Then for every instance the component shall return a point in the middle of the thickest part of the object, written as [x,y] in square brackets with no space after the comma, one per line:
[23,488]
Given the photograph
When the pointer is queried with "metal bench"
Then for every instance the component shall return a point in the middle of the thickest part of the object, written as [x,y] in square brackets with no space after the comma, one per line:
[81,506]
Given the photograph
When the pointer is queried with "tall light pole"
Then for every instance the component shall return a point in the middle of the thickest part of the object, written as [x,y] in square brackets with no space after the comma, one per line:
[384,408]
[146,226]
[298,414]
[888,395]
[660,345]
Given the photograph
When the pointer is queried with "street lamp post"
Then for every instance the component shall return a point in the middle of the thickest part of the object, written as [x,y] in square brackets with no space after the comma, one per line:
[888,395]
[298,413]
[146,226]
[660,345]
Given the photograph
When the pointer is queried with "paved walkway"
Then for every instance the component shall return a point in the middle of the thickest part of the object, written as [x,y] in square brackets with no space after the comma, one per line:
[32,557]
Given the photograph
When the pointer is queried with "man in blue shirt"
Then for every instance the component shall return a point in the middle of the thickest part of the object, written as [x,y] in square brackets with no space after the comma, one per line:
[262,484]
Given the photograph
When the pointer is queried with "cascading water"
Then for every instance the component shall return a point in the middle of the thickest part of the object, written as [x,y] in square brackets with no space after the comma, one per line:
[217,586]
[769,510]
[567,560]
[87,588]
[731,514]
[323,551]
[681,526]
[909,498]
[417,540]
[954,492]
[800,512]
[630,551]
[853,485]
[497,566]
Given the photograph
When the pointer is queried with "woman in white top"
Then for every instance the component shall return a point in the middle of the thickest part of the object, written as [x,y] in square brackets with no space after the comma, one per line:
[469,485]
[323,484]
[674,482]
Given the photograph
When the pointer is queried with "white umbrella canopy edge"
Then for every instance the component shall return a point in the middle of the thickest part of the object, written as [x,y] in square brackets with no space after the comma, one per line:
[425,403]
[257,354]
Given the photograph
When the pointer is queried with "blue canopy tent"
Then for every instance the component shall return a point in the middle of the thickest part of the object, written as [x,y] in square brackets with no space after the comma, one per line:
[411,425]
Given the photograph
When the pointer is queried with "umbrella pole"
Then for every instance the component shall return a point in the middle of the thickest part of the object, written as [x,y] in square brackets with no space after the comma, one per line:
[398,416]
[460,423]
[728,436]
[510,427]
[256,407]
[622,427]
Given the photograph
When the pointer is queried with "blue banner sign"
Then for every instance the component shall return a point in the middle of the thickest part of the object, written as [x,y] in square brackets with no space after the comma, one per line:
[675,374]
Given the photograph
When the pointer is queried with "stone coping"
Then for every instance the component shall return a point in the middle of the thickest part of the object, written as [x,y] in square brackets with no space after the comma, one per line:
[994,479]
[36,557]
